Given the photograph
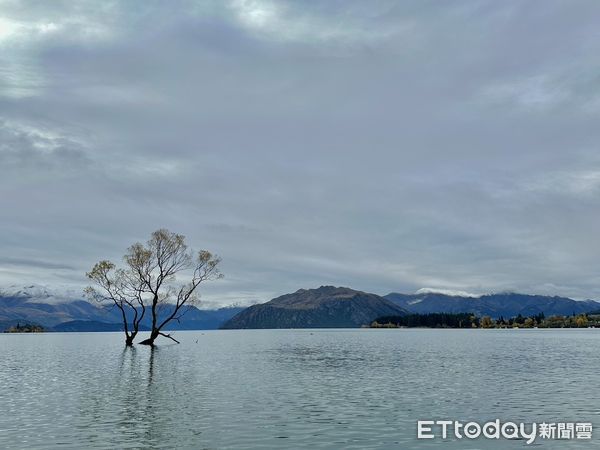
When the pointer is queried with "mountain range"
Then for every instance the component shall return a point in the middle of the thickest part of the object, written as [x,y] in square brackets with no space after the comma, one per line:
[326,307]
[59,313]
[332,307]
[494,305]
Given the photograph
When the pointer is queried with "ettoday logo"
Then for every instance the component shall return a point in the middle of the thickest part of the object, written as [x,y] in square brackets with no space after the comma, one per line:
[431,429]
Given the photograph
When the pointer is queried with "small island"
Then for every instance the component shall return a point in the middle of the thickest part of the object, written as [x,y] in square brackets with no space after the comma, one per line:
[25,328]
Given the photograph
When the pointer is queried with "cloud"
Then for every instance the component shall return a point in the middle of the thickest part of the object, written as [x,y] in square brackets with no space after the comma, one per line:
[23,147]
[33,263]
[574,88]
[534,93]
[378,145]
[447,292]
[567,183]
[312,23]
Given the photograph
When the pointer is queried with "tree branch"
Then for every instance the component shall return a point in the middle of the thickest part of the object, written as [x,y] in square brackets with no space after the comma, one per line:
[168,336]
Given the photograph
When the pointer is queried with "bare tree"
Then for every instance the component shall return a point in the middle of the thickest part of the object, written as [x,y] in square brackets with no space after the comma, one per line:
[151,281]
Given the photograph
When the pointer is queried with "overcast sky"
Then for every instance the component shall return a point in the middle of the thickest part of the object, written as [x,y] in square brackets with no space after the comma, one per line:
[381,145]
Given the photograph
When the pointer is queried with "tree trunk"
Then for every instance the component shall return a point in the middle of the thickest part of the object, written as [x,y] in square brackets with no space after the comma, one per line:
[151,339]
[129,341]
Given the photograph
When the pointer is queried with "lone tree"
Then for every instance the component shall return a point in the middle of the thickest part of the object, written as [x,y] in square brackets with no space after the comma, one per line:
[149,282]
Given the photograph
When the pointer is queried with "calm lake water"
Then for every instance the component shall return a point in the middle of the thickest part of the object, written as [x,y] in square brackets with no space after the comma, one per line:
[337,389]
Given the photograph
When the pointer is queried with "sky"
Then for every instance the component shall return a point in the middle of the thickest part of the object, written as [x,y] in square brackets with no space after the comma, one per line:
[381,145]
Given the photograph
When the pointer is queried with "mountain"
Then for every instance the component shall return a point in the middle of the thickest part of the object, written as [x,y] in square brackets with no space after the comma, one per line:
[41,293]
[90,325]
[493,305]
[325,307]
[25,309]
[39,306]
[199,319]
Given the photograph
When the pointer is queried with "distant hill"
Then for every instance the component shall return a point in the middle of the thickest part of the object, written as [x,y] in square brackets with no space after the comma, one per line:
[90,325]
[32,310]
[200,319]
[81,315]
[493,305]
[325,307]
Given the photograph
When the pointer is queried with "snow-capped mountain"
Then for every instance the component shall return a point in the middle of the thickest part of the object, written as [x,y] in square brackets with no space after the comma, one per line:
[64,308]
[38,293]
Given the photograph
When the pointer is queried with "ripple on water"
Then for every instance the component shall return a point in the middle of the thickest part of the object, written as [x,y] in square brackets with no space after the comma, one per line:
[290,388]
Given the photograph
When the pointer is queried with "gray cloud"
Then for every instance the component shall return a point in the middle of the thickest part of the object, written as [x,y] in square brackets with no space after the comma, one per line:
[378,145]
[33,263]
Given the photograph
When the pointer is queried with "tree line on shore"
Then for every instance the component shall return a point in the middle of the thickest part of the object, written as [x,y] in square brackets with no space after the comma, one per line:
[25,328]
[469,320]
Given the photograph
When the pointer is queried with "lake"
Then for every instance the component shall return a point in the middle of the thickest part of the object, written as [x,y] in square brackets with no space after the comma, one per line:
[335,389]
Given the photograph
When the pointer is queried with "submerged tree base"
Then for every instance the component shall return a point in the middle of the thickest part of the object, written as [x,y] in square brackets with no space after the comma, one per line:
[152,338]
